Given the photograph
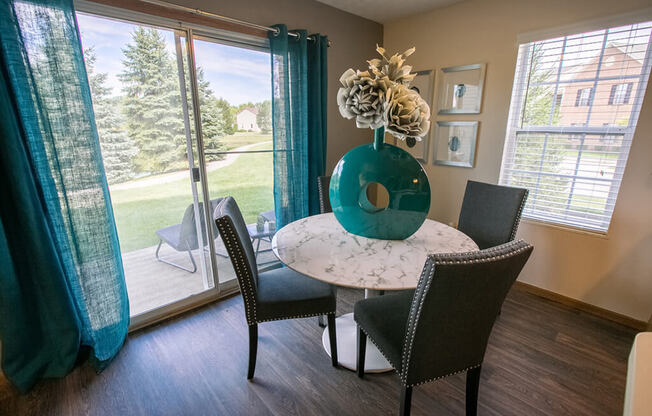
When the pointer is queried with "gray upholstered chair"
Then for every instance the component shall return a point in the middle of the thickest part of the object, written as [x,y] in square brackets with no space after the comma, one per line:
[323,185]
[442,327]
[490,213]
[183,237]
[272,295]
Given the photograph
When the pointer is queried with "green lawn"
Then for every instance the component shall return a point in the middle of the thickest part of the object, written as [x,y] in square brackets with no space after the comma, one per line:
[588,204]
[592,154]
[139,212]
[243,139]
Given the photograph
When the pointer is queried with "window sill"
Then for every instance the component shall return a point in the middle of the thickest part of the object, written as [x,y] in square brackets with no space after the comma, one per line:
[567,228]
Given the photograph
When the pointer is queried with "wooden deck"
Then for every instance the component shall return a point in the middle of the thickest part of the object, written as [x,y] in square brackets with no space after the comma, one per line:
[151,283]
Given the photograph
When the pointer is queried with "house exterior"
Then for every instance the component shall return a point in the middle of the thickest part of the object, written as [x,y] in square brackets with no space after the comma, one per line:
[616,95]
[246,120]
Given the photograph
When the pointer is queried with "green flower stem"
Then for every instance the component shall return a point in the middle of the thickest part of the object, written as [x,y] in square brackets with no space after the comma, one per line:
[379,138]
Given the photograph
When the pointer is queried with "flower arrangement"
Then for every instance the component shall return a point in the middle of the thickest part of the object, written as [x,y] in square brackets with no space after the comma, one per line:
[382,97]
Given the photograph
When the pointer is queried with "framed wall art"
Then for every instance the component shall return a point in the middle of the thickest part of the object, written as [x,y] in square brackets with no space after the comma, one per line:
[424,84]
[460,90]
[456,142]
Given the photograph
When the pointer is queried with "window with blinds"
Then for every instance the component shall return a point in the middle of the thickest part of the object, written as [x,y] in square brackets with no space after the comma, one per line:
[575,103]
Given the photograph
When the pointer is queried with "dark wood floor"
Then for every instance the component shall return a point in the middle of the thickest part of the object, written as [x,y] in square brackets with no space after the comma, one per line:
[543,359]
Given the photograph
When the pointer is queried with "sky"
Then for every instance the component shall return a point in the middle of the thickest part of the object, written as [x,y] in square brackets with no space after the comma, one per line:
[236,74]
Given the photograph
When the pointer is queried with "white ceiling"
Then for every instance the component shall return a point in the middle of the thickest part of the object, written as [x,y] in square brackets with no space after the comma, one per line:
[383,11]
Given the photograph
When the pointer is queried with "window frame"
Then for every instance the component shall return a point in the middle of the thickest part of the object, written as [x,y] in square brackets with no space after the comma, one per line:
[581,100]
[518,107]
[626,94]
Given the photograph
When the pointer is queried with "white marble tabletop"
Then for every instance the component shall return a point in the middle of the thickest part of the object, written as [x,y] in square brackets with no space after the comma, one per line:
[319,247]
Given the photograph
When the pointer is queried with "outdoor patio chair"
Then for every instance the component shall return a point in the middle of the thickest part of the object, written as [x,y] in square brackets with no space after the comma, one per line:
[263,230]
[183,237]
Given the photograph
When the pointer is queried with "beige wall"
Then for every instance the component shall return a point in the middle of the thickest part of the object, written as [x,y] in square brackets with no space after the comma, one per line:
[354,40]
[612,272]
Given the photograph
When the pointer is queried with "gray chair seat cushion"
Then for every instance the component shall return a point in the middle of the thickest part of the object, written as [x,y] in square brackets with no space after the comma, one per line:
[384,319]
[284,293]
[171,236]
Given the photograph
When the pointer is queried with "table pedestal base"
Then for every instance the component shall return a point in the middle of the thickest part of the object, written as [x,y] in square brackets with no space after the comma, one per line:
[347,347]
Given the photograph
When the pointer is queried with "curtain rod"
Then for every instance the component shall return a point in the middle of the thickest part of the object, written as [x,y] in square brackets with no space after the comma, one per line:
[220,17]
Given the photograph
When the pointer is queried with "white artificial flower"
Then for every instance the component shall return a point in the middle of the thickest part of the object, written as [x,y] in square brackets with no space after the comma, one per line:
[363,98]
[407,114]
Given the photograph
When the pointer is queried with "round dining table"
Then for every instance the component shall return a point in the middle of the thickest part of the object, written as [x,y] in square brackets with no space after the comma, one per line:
[319,247]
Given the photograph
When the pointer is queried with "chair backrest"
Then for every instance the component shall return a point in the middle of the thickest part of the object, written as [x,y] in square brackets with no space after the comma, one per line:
[323,183]
[490,213]
[188,230]
[235,235]
[454,307]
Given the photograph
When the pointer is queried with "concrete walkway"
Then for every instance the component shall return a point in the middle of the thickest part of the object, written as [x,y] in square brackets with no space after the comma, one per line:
[183,174]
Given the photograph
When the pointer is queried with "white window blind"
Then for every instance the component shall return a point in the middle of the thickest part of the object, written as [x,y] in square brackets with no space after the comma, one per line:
[575,104]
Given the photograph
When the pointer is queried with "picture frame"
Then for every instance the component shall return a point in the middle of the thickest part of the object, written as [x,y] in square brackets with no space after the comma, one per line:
[456,143]
[460,89]
[424,83]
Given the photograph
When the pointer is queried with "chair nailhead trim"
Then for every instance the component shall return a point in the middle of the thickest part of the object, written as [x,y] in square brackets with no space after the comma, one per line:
[440,377]
[322,205]
[240,265]
[296,316]
[518,216]
[483,256]
[322,201]
[415,311]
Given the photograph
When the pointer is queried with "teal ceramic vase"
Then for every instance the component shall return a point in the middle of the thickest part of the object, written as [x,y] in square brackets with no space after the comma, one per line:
[402,176]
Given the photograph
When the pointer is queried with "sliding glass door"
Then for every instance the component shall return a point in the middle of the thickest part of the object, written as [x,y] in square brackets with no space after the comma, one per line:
[142,97]
[184,118]
[236,119]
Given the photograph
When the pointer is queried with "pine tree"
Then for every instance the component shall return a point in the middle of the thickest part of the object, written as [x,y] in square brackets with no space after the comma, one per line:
[117,148]
[152,101]
[211,117]
[212,129]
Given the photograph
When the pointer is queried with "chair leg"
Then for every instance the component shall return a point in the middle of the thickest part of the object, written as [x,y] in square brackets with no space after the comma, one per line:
[362,349]
[160,242]
[406,401]
[253,348]
[192,260]
[472,387]
[162,260]
[332,337]
[320,321]
[257,248]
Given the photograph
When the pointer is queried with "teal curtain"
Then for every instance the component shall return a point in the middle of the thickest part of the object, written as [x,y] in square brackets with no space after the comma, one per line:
[299,121]
[62,287]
